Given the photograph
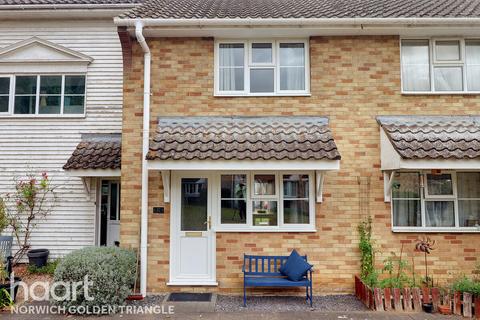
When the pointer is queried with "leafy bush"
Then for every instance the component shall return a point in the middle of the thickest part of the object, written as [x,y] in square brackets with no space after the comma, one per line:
[111,271]
[48,269]
[465,284]
[398,272]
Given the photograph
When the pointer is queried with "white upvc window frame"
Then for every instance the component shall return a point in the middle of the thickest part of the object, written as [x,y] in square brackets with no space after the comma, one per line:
[281,226]
[11,112]
[10,96]
[434,62]
[248,65]
[425,197]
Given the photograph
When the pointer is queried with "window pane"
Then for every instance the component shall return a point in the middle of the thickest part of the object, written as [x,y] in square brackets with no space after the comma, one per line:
[261,80]
[194,204]
[49,105]
[472,53]
[234,186]
[73,104]
[296,211]
[292,54]
[234,211]
[415,65]
[50,85]
[468,184]
[407,213]
[448,78]
[439,214]
[4,103]
[262,53]
[25,104]
[264,213]
[74,85]
[469,213]
[447,50]
[439,184]
[113,201]
[26,85]
[264,184]
[295,186]
[231,54]
[4,85]
[406,185]
[292,78]
[231,79]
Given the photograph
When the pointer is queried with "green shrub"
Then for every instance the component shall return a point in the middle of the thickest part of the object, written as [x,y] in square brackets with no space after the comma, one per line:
[367,253]
[111,271]
[465,284]
[48,269]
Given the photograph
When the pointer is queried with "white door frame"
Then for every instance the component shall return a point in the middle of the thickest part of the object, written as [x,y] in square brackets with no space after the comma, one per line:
[175,222]
[98,230]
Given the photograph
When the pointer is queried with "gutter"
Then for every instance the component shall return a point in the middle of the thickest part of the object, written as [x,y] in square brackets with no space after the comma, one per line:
[145,141]
[325,22]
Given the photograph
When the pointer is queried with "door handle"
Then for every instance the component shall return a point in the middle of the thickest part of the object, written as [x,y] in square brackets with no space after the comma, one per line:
[209,222]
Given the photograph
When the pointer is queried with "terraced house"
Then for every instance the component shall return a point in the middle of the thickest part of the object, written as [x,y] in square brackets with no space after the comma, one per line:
[60,113]
[261,126]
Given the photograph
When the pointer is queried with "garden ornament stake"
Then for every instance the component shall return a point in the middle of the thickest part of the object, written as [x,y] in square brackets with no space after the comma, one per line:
[425,245]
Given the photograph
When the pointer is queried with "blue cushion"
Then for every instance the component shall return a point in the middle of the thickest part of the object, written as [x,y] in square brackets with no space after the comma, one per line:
[296,267]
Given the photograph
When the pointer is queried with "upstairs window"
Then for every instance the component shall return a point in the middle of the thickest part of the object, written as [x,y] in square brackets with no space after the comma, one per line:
[262,68]
[440,65]
[23,95]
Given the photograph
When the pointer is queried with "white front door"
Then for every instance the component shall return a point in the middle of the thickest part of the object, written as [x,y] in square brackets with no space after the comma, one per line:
[192,241]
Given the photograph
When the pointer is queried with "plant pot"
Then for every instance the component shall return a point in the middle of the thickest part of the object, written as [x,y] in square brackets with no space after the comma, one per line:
[444,309]
[8,286]
[427,307]
[38,257]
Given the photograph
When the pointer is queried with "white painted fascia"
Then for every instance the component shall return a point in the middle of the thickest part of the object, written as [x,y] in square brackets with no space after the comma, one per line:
[212,165]
[105,173]
[327,22]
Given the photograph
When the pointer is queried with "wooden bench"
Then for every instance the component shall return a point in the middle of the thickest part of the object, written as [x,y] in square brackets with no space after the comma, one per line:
[263,271]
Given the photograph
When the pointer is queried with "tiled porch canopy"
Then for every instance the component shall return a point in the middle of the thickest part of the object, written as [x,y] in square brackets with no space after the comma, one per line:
[430,142]
[215,143]
[96,155]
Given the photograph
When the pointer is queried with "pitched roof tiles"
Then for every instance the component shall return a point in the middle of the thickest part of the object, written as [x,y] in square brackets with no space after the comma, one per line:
[96,152]
[241,138]
[433,137]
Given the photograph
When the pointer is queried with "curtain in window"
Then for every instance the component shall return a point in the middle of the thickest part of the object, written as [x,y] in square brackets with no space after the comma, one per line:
[439,214]
[415,65]
[231,61]
[292,66]
[468,186]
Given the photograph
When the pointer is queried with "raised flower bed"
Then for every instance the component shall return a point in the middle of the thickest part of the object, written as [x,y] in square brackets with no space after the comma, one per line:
[412,299]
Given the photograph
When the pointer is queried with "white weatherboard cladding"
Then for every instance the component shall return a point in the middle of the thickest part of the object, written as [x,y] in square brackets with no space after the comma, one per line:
[45,144]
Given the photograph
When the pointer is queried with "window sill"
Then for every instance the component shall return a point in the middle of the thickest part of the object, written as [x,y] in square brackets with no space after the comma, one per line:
[249,95]
[442,93]
[260,229]
[435,230]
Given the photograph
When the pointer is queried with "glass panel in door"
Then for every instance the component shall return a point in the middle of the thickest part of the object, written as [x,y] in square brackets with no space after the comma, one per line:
[194,204]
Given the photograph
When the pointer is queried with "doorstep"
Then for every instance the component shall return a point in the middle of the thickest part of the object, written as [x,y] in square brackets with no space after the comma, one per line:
[191,306]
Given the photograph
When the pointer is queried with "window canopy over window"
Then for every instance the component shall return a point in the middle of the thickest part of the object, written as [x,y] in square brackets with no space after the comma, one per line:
[433,142]
[243,143]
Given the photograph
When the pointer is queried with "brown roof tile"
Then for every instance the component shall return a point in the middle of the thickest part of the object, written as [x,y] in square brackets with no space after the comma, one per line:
[259,9]
[254,138]
[433,137]
[96,152]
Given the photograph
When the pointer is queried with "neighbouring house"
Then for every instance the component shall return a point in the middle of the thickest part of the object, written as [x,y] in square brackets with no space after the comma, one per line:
[61,77]
[272,125]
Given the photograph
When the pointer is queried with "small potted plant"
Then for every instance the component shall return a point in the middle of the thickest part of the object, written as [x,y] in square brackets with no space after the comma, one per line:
[444,308]
[38,257]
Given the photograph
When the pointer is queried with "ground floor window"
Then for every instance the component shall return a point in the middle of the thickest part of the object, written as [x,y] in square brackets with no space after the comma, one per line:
[266,201]
[436,200]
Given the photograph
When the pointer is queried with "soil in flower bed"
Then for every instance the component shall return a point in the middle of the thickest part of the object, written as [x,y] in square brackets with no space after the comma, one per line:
[289,303]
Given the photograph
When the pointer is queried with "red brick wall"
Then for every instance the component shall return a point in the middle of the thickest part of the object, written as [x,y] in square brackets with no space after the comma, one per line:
[353,79]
